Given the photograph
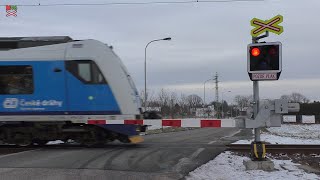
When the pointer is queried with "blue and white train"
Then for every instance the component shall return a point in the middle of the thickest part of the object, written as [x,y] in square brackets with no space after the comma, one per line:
[58,88]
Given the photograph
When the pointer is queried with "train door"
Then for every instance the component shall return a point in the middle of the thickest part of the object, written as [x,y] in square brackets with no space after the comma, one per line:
[87,90]
[32,87]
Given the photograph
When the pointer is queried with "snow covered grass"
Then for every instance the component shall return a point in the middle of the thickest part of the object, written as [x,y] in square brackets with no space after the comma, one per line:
[305,131]
[228,166]
[290,134]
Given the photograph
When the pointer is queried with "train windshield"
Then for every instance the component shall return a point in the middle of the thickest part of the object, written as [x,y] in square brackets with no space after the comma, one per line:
[86,70]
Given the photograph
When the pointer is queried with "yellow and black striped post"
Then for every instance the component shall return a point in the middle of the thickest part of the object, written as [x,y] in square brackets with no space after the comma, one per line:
[258,151]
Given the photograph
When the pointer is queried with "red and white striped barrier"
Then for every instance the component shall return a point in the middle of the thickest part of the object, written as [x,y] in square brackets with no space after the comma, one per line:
[203,123]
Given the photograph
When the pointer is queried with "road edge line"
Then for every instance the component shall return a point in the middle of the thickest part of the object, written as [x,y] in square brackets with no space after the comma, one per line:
[17,153]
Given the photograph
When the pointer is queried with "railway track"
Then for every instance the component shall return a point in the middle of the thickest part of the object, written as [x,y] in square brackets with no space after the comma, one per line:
[280,148]
[271,148]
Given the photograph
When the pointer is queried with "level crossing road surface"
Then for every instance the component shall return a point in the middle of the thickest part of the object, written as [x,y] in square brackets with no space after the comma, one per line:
[162,156]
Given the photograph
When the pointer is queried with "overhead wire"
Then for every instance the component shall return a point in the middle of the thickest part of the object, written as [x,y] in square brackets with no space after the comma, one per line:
[136,3]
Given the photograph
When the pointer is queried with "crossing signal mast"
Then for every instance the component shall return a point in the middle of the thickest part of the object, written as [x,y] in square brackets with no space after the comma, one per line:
[264,63]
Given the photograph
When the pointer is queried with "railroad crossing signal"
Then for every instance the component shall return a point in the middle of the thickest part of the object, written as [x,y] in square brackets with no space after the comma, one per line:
[262,26]
[264,61]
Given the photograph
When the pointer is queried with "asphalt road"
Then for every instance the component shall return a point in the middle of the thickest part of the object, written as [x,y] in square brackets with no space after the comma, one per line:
[161,156]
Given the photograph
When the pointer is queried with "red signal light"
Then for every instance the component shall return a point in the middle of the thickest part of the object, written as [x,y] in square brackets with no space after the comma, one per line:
[255,52]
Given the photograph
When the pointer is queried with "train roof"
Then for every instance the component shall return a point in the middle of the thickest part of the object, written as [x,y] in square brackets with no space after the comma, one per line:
[7,43]
[50,48]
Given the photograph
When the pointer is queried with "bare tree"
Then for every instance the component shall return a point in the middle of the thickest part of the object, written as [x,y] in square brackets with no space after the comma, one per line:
[173,101]
[243,101]
[194,101]
[150,98]
[163,100]
[287,97]
[163,97]
[183,104]
[305,100]
[296,98]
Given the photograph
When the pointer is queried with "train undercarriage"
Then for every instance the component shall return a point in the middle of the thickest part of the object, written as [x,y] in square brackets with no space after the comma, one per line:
[39,133]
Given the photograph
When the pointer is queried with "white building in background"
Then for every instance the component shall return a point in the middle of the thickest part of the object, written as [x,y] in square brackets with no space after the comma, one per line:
[205,112]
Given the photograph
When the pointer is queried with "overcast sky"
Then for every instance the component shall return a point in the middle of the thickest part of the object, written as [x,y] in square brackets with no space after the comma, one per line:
[206,38]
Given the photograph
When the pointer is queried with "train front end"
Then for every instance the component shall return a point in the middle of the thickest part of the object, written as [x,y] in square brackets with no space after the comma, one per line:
[57,88]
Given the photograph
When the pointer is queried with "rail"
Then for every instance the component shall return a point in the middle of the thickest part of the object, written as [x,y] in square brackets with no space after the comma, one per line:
[279,148]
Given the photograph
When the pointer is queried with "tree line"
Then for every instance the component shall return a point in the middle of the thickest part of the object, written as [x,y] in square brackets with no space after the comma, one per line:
[173,105]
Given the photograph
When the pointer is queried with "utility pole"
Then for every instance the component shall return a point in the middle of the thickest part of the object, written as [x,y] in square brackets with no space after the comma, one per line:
[217,90]
[217,86]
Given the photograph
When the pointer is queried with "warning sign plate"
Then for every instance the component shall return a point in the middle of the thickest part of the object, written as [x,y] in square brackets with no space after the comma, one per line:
[264,76]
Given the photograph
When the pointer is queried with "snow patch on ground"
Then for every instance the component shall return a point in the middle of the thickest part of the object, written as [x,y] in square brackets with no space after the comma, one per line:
[154,127]
[55,142]
[305,131]
[228,166]
[290,134]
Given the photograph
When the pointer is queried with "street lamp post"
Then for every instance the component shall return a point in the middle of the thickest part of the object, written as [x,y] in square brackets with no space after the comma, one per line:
[145,69]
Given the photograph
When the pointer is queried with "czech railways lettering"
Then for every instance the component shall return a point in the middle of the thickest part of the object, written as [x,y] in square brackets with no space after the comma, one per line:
[12,103]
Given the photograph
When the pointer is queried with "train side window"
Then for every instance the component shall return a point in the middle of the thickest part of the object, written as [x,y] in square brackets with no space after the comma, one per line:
[16,79]
[86,71]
